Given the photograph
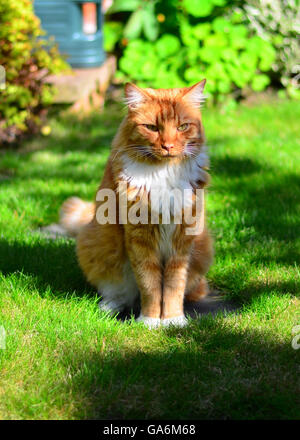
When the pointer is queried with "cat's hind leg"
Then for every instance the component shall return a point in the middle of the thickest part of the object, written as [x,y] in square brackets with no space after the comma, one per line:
[201,258]
[199,291]
[103,260]
[120,295]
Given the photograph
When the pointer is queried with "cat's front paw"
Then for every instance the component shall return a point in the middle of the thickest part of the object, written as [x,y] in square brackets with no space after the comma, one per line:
[177,321]
[151,323]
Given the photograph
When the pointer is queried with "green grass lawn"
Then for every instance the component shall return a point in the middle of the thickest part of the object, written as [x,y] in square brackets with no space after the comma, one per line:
[65,360]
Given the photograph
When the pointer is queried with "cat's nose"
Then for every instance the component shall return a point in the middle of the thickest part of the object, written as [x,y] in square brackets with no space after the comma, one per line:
[167,147]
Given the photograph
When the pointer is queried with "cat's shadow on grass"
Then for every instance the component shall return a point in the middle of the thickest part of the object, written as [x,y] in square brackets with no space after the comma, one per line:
[52,263]
[213,303]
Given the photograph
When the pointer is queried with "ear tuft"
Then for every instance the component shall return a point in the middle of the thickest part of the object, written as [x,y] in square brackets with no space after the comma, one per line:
[134,96]
[194,94]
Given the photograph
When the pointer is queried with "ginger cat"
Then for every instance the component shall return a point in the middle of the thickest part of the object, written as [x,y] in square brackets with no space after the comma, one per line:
[159,146]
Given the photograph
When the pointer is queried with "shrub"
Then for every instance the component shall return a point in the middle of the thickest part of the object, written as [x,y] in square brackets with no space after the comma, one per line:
[176,43]
[220,51]
[27,60]
[278,21]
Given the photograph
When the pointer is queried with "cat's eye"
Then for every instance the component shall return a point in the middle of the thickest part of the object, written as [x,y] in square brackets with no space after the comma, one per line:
[151,127]
[183,127]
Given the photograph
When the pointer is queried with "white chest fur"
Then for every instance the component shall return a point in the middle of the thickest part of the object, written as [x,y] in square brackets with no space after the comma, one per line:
[165,179]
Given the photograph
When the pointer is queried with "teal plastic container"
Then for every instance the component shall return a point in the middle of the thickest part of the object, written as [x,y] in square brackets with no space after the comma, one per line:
[77,29]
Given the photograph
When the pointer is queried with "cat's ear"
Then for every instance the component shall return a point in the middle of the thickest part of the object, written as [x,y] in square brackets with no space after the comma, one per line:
[134,96]
[194,94]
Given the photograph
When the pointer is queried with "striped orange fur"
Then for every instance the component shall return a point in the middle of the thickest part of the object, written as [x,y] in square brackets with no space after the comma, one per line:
[159,145]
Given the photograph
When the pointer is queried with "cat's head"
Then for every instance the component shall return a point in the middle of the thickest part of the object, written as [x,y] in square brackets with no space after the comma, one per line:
[164,124]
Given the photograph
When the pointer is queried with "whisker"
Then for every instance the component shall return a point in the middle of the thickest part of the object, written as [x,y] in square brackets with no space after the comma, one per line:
[134,150]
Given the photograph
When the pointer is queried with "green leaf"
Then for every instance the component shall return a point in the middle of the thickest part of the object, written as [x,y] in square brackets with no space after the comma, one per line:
[216,40]
[192,55]
[254,44]
[219,2]
[293,93]
[201,30]
[150,23]
[238,36]
[238,42]
[137,46]
[236,75]
[149,69]
[248,60]
[239,30]
[198,8]
[237,17]
[224,86]
[220,24]
[133,27]
[192,74]
[221,73]
[127,65]
[167,45]
[229,54]
[124,5]
[260,82]
[277,40]
[187,33]
[112,32]
[268,56]
[209,54]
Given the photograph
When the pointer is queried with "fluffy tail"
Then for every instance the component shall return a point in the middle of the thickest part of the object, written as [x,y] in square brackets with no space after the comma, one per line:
[76,213]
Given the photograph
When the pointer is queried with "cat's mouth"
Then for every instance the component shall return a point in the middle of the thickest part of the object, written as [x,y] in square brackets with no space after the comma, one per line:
[168,154]
[160,155]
